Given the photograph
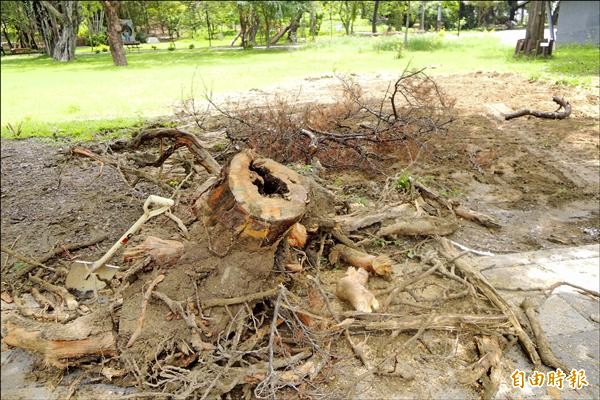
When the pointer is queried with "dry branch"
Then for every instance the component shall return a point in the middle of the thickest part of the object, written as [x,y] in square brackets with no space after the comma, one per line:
[562,103]
[420,226]
[354,222]
[67,297]
[128,170]
[180,138]
[481,283]
[147,295]
[26,259]
[439,322]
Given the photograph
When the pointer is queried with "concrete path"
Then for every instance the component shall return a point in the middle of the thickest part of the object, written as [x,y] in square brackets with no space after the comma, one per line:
[569,317]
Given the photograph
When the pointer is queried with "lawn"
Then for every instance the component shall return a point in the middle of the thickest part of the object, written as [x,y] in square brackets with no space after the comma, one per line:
[40,97]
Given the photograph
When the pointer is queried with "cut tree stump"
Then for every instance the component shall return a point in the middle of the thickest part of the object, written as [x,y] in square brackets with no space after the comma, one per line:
[254,204]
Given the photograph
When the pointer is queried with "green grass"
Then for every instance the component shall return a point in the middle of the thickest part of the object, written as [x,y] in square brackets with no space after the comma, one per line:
[89,94]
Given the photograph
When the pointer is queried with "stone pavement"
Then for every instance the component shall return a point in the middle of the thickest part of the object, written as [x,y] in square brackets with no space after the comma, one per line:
[569,318]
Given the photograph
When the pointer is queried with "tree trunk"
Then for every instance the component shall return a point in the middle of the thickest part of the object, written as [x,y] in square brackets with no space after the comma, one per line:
[313,23]
[423,16]
[10,45]
[534,34]
[375,16]
[438,25]
[406,27]
[111,8]
[58,23]
[242,220]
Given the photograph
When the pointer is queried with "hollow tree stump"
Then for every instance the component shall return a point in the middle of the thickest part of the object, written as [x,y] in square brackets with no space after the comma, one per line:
[254,204]
[242,220]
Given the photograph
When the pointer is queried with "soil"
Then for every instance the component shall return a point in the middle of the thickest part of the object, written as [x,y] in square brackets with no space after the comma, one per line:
[538,178]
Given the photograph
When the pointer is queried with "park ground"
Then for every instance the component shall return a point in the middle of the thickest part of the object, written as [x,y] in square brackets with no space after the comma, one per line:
[538,178]
[90,97]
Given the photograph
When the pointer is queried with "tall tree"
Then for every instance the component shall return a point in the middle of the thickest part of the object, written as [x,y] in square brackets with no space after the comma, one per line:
[347,11]
[115,41]
[58,23]
[375,16]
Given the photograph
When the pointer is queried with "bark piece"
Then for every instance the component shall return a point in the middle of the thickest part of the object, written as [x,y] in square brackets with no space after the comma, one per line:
[420,226]
[163,252]
[90,335]
[379,265]
[351,288]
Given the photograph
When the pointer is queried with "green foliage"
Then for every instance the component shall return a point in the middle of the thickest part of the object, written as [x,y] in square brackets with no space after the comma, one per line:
[191,46]
[98,39]
[154,47]
[402,183]
[105,49]
[171,46]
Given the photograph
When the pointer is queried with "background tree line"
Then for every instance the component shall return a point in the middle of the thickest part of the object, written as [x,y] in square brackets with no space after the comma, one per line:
[55,26]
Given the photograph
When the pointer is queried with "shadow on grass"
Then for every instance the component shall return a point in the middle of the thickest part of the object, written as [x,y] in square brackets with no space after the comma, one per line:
[144,60]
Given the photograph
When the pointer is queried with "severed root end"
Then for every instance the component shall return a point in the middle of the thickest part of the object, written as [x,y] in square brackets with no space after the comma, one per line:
[379,265]
[163,252]
[351,288]
[297,235]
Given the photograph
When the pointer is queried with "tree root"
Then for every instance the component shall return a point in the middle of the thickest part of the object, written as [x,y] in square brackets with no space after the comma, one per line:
[544,349]
[562,103]
[482,284]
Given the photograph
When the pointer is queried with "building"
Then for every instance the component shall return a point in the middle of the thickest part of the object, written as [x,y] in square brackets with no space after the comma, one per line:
[578,22]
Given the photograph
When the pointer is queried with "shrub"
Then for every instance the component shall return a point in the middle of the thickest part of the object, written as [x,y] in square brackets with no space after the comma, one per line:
[171,47]
[425,43]
[191,46]
[98,39]
[141,37]
[104,49]
[97,51]
[154,47]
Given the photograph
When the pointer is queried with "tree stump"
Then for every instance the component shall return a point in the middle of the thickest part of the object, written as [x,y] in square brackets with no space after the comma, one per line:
[254,204]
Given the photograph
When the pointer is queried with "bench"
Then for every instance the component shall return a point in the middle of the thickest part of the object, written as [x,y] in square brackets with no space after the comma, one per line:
[132,45]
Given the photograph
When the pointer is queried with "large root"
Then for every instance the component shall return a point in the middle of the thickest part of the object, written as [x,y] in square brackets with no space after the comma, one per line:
[88,336]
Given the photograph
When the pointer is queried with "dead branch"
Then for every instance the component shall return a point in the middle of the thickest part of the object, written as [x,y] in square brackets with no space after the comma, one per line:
[420,226]
[437,321]
[26,259]
[477,217]
[59,250]
[481,283]
[353,222]
[180,139]
[67,297]
[39,314]
[543,346]
[128,170]
[147,295]
[562,103]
